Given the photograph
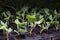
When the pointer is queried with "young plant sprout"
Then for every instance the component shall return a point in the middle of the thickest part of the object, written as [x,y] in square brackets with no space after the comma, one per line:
[32,20]
[21,14]
[54,19]
[19,25]
[4,26]
[45,27]
[7,16]
[40,22]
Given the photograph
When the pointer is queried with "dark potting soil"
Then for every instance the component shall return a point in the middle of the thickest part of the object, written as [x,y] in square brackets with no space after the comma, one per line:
[13,34]
[44,37]
[36,30]
[33,37]
[12,38]
[2,36]
[38,37]
[13,26]
[1,31]
[22,36]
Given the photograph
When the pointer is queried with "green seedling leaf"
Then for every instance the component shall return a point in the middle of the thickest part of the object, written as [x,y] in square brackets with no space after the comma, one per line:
[22,24]
[31,25]
[4,14]
[3,26]
[41,16]
[22,30]
[6,18]
[40,21]
[50,17]
[8,30]
[18,13]
[16,31]
[25,8]
[31,18]
[57,15]
[19,23]
[54,22]
[8,13]
[2,23]
[55,12]
[45,28]
[46,11]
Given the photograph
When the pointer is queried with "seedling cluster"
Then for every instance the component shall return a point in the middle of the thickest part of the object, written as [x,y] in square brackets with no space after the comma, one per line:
[24,19]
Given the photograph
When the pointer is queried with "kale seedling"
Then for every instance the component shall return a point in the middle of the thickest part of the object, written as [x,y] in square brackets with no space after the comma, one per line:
[22,13]
[32,20]
[54,19]
[45,27]
[7,16]
[20,25]
[4,26]
[40,22]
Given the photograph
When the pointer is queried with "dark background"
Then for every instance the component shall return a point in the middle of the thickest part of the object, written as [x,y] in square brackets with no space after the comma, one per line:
[32,3]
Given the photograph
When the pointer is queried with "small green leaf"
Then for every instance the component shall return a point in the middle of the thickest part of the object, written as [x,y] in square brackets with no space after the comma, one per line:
[41,16]
[4,14]
[31,18]
[40,21]
[22,30]
[2,23]
[46,11]
[57,15]
[8,30]
[22,24]
[54,22]
[50,17]
[55,12]
[8,13]
[19,23]
[45,27]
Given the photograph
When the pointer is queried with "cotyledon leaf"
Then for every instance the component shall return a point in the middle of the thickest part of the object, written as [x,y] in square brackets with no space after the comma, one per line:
[54,22]
[22,30]
[31,18]
[40,21]
[20,24]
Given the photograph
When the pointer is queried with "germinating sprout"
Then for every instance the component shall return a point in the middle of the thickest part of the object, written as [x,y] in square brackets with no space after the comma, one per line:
[41,16]
[46,10]
[21,15]
[56,15]
[55,12]
[40,21]
[31,19]
[45,27]
[50,17]
[4,26]
[7,15]
[20,24]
